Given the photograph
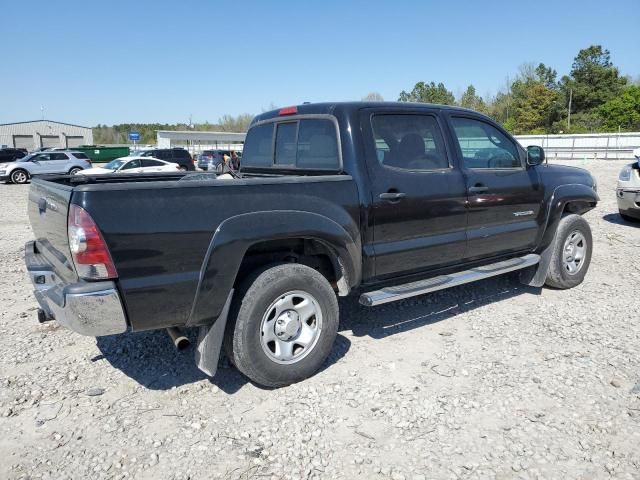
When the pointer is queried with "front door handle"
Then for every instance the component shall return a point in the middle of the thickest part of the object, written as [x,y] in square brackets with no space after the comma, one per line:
[478,189]
[392,196]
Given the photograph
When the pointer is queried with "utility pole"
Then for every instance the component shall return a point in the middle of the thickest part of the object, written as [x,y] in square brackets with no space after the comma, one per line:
[569,114]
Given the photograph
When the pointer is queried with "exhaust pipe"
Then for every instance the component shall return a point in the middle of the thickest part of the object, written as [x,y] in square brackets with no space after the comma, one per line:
[180,341]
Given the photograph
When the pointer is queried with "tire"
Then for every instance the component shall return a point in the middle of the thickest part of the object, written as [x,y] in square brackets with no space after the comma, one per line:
[572,230]
[19,176]
[74,170]
[182,168]
[265,320]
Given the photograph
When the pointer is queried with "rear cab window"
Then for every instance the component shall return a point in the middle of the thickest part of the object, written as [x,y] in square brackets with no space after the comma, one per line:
[293,144]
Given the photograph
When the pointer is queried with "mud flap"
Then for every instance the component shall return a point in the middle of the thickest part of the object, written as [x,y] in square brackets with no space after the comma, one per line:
[537,275]
[209,344]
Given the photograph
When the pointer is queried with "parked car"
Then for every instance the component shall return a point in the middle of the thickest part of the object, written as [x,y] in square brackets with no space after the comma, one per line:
[132,165]
[11,154]
[628,189]
[175,155]
[61,162]
[212,158]
[389,200]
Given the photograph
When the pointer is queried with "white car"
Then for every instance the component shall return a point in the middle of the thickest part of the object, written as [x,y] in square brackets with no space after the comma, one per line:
[132,165]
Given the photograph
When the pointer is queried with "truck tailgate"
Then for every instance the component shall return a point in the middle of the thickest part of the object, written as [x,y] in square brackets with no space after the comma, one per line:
[48,209]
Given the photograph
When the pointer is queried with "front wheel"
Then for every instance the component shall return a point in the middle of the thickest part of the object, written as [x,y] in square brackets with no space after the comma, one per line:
[19,176]
[572,253]
[74,170]
[285,320]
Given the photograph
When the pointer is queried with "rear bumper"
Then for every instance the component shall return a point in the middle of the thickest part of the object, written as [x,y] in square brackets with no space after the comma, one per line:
[88,308]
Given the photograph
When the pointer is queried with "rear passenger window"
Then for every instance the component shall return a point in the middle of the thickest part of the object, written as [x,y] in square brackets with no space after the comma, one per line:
[151,163]
[286,144]
[81,156]
[59,156]
[410,142]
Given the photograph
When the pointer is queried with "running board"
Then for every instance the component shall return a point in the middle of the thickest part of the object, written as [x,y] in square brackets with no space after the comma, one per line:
[413,289]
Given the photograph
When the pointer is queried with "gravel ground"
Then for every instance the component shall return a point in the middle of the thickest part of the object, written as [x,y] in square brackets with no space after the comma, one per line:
[489,380]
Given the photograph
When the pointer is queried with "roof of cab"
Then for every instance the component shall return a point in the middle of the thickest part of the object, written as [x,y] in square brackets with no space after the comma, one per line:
[330,107]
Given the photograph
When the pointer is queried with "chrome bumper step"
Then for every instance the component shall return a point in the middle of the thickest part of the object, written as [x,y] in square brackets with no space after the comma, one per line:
[413,289]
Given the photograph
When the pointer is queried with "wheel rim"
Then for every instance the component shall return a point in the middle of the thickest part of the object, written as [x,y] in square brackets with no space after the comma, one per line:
[574,252]
[19,177]
[74,171]
[291,327]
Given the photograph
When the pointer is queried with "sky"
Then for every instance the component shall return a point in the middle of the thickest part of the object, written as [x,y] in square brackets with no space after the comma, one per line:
[108,62]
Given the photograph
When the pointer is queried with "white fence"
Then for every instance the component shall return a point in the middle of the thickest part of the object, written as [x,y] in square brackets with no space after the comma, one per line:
[602,146]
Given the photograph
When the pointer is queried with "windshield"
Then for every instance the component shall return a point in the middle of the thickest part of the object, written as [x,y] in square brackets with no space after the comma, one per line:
[114,164]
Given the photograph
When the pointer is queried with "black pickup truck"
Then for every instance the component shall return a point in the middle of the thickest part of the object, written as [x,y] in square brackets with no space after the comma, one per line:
[385,200]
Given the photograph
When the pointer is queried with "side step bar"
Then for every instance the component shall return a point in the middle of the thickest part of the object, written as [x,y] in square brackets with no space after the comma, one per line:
[413,289]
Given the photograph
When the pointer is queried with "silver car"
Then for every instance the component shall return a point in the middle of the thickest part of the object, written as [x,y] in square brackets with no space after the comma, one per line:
[628,190]
[66,162]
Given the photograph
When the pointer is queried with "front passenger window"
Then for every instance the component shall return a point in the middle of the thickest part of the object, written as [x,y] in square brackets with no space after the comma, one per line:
[484,146]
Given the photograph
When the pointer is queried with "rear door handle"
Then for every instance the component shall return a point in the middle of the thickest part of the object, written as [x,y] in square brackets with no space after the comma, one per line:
[392,196]
[478,189]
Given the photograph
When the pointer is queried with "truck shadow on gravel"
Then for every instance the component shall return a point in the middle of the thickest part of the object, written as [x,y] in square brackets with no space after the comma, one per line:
[405,315]
[618,220]
[150,359]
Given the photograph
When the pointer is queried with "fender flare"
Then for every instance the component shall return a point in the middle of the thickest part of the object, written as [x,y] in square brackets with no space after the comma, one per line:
[237,234]
[583,197]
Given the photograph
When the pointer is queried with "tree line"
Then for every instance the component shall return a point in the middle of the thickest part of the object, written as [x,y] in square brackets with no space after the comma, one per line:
[593,97]
[118,134]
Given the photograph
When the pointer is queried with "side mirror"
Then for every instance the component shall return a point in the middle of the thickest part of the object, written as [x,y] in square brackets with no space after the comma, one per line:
[535,155]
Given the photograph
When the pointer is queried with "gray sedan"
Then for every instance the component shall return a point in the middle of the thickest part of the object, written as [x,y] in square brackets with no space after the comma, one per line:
[21,170]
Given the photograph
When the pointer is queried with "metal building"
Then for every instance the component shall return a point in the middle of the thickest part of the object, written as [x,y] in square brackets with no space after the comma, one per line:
[44,133]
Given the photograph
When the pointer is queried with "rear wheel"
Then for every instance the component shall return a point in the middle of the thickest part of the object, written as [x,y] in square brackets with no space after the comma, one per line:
[19,176]
[182,168]
[74,170]
[572,253]
[286,320]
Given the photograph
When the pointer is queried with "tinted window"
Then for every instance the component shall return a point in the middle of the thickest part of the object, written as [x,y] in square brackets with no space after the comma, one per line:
[412,142]
[317,145]
[483,145]
[131,164]
[181,154]
[81,156]
[151,163]
[258,147]
[59,156]
[286,144]
[41,157]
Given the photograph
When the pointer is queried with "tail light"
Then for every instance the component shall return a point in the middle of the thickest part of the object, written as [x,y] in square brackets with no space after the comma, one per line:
[88,249]
[288,111]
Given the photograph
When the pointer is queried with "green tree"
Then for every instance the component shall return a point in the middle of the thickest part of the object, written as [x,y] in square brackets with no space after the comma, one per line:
[622,111]
[428,93]
[593,80]
[471,100]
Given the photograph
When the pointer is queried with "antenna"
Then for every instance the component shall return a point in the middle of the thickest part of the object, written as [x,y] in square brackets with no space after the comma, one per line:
[42,112]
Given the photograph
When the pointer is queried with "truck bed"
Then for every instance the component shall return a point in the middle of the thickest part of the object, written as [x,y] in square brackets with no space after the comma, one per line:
[159,228]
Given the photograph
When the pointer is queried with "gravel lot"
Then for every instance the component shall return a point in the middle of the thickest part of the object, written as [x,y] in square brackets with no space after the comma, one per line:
[489,380]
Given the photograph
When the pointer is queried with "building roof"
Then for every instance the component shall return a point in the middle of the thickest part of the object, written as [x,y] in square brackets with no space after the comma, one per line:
[44,120]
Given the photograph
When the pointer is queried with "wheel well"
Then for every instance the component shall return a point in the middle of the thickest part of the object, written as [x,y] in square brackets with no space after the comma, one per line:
[310,252]
[578,207]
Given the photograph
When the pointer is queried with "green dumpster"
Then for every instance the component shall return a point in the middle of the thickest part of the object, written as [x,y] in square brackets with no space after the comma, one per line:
[103,153]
